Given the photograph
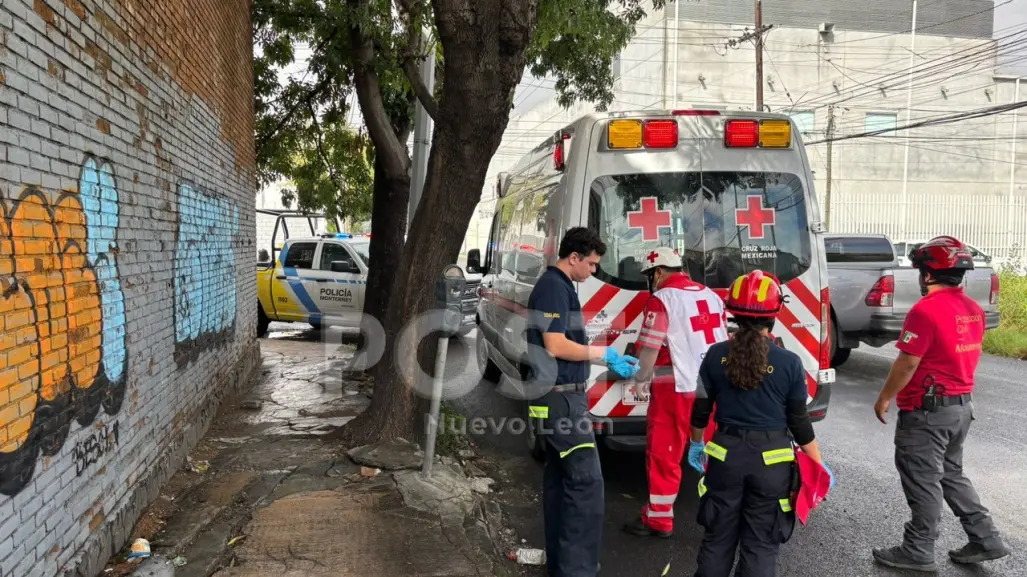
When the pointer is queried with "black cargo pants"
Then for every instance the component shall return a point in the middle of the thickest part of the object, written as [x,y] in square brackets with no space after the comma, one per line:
[929,457]
[572,491]
[744,502]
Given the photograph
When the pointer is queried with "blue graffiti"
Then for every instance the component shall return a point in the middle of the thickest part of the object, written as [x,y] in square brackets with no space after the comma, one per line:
[205,273]
[99,195]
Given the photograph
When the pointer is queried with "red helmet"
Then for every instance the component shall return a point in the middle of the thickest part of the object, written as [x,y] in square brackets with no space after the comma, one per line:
[942,253]
[757,294]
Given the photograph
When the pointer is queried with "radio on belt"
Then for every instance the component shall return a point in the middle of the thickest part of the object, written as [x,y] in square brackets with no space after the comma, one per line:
[449,292]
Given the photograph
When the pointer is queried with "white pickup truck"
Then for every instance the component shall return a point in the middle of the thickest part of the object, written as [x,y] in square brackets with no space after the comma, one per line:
[871,292]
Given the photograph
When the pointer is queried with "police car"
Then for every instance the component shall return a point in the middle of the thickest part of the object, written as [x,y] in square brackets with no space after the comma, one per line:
[322,281]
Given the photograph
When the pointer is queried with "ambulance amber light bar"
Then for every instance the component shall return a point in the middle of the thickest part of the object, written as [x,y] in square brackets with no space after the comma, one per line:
[635,134]
[761,134]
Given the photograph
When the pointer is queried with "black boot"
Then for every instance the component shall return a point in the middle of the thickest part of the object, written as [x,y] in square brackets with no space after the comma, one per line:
[977,553]
[896,558]
[637,527]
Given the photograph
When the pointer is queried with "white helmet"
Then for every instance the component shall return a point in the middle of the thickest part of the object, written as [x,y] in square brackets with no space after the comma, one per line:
[662,256]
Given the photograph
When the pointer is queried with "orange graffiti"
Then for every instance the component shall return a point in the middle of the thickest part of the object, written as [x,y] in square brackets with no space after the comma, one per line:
[50,319]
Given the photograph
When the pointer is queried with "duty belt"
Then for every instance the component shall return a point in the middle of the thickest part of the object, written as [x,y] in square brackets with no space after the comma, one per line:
[739,432]
[571,388]
[949,400]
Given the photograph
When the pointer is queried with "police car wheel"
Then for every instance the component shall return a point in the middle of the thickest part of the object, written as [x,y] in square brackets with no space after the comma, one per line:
[262,322]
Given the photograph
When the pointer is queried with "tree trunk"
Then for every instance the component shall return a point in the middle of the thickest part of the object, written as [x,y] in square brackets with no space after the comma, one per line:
[484,42]
[388,232]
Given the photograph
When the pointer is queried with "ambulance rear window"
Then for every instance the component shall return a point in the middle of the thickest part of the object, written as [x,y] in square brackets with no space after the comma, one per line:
[724,224]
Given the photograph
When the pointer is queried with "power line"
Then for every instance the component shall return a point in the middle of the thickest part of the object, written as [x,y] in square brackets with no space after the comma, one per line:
[979,113]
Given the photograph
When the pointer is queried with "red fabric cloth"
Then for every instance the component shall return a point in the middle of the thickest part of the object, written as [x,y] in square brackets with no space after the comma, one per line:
[815,485]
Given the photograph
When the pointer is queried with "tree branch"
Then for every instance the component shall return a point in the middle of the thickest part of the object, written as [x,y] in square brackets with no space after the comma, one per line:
[414,52]
[321,150]
[305,101]
[369,94]
[420,89]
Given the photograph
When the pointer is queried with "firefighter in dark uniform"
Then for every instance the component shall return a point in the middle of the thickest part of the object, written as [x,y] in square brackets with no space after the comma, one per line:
[559,359]
[932,381]
[759,390]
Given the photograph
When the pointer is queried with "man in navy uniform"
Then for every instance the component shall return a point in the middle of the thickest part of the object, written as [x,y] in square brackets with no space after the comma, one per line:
[559,356]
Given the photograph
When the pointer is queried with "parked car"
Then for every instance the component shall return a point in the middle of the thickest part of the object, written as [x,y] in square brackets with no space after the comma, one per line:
[871,292]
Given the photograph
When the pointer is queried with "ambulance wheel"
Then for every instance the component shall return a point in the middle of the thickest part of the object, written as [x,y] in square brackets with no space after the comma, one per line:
[262,322]
[489,370]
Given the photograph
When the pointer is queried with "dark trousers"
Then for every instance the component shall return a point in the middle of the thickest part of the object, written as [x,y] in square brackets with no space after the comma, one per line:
[572,492]
[929,457]
[744,503]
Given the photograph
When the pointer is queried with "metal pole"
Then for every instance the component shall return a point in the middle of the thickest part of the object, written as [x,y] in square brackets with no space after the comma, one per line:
[909,114]
[830,159]
[422,137]
[436,406]
[1012,176]
[759,55]
[677,50]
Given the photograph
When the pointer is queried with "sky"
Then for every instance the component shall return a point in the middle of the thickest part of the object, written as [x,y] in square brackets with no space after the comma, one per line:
[1006,15]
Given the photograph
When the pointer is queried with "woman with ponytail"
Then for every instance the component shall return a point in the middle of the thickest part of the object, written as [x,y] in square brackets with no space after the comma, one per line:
[759,390]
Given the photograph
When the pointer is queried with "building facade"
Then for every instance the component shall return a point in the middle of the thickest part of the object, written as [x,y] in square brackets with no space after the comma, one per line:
[127,307]
[840,69]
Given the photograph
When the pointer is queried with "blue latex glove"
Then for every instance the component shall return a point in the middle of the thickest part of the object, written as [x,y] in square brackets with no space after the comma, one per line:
[696,456]
[830,474]
[624,367]
[611,356]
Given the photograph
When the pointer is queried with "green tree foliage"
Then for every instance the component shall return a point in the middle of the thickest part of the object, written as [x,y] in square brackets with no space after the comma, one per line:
[333,174]
[374,48]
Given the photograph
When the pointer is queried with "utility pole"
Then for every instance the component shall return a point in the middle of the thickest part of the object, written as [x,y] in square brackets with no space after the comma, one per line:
[422,136]
[759,55]
[830,159]
[1012,174]
[909,114]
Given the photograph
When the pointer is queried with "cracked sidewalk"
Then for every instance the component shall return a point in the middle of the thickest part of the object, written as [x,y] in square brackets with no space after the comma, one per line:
[265,494]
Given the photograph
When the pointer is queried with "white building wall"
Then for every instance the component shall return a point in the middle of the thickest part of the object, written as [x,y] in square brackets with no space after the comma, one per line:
[957,180]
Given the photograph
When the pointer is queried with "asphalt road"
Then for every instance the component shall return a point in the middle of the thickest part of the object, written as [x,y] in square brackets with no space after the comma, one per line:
[866,508]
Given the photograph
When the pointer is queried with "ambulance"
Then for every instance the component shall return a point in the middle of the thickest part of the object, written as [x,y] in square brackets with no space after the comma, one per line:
[732,191]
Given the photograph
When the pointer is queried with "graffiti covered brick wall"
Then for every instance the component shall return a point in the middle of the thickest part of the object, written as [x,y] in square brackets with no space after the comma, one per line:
[126,242]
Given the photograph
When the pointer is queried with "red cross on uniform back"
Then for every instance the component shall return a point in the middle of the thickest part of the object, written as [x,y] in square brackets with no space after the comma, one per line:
[705,322]
[755,217]
[650,219]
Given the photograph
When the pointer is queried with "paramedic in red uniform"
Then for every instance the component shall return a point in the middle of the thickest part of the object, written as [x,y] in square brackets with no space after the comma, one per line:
[681,320]
[931,381]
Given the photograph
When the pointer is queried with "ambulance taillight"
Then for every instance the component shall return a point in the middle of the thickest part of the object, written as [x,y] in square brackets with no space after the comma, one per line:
[630,134]
[769,133]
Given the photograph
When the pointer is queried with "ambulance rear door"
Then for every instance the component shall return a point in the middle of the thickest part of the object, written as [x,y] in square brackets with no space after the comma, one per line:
[760,211]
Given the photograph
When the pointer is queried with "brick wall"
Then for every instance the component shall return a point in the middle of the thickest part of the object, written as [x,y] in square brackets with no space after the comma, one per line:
[126,260]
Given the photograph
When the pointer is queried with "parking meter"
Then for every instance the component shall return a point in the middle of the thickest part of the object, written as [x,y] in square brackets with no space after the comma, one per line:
[449,293]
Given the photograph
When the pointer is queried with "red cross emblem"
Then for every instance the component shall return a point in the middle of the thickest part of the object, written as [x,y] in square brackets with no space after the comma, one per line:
[755,217]
[653,256]
[705,322]
[650,219]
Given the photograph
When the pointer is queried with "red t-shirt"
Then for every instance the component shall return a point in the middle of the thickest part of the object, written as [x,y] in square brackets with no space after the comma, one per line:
[945,329]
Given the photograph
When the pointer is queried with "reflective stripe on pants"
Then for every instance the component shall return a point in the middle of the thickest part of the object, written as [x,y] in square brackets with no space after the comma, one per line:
[667,433]
[573,496]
